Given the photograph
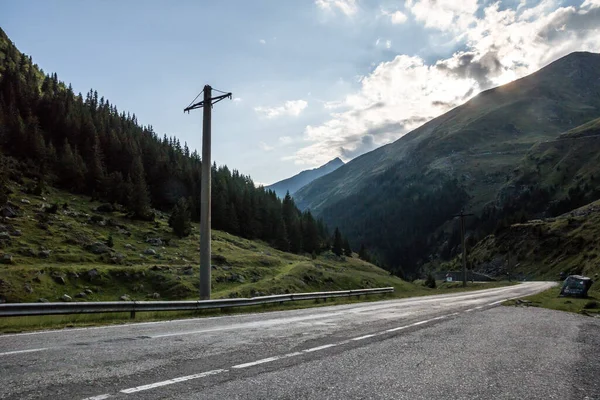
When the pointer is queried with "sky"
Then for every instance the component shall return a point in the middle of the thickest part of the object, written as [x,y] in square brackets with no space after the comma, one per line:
[311,79]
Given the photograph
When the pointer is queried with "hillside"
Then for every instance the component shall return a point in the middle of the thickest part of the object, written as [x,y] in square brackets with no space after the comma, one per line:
[556,176]
[52,137]
[541,249]
[461,159]
[46,255]
[303,178]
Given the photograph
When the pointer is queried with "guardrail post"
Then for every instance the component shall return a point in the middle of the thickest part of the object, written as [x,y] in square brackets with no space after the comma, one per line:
[132,313]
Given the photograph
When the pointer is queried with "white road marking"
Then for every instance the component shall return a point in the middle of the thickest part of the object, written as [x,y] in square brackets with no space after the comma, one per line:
[172,381]
[22,351]
[364,337]
[397,329]
[253,363]
[496,302]
[470,309]
[326,346]
[99,397]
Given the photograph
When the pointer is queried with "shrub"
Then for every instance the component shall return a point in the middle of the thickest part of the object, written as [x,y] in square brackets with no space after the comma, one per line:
[430,281]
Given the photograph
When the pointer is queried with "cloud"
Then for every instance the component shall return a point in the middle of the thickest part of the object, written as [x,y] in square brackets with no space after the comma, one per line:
[444,14]
[266,147]
[396,17]
[500,45]
[262,41]
[292,108]
[347,7]
[388,44]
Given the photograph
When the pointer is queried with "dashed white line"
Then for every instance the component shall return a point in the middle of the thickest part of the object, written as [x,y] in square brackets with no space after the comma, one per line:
[364,337]
[172,381]
[325,346]
[99,397]
[22,351]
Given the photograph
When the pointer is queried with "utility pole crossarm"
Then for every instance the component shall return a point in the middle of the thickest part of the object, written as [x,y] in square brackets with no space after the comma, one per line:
[213,101]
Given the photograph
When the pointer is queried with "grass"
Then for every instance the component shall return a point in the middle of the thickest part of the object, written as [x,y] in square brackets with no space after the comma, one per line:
[22,324]
[550,299]
[242,268]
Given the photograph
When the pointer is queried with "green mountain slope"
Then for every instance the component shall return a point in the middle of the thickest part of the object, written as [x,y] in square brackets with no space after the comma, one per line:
[46,255]
[557,176]
[541,249]
[461,159]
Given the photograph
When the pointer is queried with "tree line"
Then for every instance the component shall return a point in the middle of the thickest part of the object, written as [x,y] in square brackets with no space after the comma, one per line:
[84,144]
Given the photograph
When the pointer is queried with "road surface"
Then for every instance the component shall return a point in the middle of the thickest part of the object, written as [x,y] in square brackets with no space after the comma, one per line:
[437,347]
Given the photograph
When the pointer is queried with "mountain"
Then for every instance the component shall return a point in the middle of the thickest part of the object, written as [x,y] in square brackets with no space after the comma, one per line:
[399,199]
[304,178]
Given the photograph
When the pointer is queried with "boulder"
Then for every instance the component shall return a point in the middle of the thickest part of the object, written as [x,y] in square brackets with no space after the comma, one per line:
[6,259]
[88,291]
[129,246]
[42,300]
[16,232]
[107,208]
[150,252]
[125,298]
[98,248]
[25,201]
[9,212]
[4,236]
[44,253]
[155,241]
[59,279]
[92,274]
[28,288]
[155,296]
[66,297]
[81,295]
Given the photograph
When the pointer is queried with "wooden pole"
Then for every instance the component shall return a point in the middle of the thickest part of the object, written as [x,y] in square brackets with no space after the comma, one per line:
[205,199]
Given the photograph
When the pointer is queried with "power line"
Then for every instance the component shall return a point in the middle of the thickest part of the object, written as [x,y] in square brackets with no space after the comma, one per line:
[195,98]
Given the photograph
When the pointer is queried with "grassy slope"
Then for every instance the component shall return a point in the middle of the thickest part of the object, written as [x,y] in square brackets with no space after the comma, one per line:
[243,267]
[542,249]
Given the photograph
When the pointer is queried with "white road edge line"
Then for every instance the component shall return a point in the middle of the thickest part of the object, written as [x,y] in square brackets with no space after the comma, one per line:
[172,381]
[364,337]
[22,351]
[99,397]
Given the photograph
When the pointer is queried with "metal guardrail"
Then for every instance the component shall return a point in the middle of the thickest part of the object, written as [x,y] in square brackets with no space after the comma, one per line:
[32,309]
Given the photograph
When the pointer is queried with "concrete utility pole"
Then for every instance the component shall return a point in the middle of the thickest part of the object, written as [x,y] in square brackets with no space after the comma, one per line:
[207,104]
[462,216]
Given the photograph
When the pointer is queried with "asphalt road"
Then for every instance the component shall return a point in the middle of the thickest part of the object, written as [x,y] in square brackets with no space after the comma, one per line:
[437,347]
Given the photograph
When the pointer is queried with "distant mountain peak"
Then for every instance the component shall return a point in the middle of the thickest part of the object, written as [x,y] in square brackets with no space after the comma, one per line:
[305,177]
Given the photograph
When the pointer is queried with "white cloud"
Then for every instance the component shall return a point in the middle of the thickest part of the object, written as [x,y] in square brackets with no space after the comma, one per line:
[388,44]
[444,14]
[591,4]
[262,41]
[265,146]
[237,100]
[348,7]
[396,17]
[291,107]
[399,95]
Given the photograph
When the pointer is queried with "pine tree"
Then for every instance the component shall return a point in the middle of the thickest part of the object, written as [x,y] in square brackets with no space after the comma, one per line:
[338,245]
[181,219]
[363,254]
[347,248]
[4,191]
[139,201]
